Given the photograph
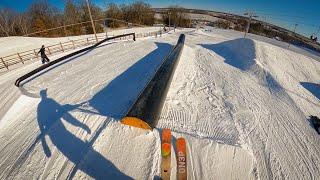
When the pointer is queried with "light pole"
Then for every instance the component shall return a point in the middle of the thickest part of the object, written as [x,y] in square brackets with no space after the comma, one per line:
[94,29]
[250,14]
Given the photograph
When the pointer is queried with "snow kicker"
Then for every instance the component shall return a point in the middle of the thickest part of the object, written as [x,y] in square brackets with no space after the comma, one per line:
[39,69]
[149,103]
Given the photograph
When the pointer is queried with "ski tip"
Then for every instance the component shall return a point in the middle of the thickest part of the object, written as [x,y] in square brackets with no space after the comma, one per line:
[166,134]
[135,122]
[181,142]
[165,149]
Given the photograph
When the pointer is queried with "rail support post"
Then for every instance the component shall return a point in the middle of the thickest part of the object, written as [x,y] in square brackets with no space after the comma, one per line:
[61,47]
[49,50]
[73,44]
[20,58]
[35,53]
[5,65]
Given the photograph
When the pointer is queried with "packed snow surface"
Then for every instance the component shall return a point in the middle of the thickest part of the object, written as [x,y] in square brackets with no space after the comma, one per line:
[242,105]
[14,44]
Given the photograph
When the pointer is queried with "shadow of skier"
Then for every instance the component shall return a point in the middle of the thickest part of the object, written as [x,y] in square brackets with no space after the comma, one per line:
[111,101]
[50,116]
[115,99]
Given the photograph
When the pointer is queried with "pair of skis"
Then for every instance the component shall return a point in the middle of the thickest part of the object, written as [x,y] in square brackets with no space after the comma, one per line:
[166,156]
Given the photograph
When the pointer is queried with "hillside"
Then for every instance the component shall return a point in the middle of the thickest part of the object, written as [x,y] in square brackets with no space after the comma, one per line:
[239,23]
[242,105]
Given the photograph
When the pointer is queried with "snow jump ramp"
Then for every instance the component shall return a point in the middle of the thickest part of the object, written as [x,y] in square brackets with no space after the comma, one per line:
[144,113]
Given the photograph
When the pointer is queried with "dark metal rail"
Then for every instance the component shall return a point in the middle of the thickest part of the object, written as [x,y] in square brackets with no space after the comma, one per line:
[149,104]
[35,71]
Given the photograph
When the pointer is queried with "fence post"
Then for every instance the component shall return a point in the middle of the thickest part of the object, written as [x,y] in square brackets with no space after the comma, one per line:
[49,50]
[87,41]
[5,65]
[20,58]
[35,53]
[73,44]
[134,37]
[61,47]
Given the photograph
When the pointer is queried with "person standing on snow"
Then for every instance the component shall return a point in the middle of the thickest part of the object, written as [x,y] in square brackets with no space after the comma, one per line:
[44,57]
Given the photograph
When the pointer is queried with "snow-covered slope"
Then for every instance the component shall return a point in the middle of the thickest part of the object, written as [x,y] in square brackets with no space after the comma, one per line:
[14,44]
[241,104]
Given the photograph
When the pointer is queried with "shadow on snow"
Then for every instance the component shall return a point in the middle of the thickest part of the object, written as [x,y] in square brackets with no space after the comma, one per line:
[112,101]
[239,53]
[116,98]
[313,88]
[50,116]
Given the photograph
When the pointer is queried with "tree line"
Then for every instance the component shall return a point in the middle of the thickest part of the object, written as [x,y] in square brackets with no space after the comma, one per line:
[74,19]
[42,15]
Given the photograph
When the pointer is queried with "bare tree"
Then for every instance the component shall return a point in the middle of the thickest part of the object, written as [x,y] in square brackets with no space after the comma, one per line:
[72,16]
[44,16]
[137,12]
[7,21]
[178,17]
[96,14]
[142,13]
[23,23]
[113,11]
[41,16]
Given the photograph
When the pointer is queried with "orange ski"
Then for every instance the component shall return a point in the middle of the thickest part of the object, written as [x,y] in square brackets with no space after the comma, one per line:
[181,159]
[166,154]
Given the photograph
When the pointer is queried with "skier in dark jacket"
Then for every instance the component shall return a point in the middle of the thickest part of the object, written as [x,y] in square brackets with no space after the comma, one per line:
[44,57]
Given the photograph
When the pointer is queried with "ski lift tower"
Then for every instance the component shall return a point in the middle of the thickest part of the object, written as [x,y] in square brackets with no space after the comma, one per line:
[250,15]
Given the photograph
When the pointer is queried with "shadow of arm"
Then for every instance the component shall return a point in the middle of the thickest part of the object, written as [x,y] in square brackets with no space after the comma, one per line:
[69,118]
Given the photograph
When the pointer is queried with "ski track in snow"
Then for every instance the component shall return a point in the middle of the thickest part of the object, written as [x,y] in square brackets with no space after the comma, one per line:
[263,112]
[240,103]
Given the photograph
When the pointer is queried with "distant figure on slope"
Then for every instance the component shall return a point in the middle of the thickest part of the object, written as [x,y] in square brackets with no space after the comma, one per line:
[314,38]
[44,57]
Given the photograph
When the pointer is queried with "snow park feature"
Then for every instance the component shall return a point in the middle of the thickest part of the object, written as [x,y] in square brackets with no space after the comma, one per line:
[150,102]
[315,121]
[24,77]
[242,106]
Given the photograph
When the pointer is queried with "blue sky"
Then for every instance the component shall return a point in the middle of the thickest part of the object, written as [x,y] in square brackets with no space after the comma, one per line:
[306,13]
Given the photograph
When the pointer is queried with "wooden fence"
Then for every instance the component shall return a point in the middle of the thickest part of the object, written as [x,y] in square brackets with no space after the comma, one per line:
[22,57]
